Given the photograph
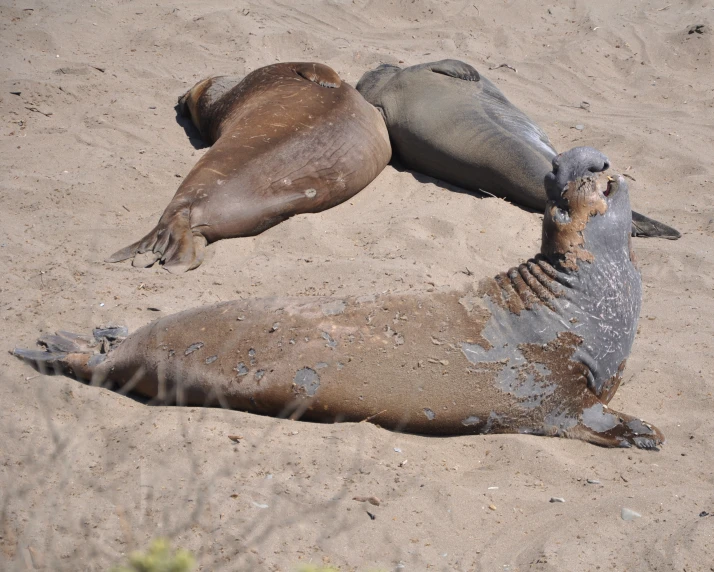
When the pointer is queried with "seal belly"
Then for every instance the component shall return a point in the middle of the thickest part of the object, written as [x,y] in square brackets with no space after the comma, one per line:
[329,359]
[310,171]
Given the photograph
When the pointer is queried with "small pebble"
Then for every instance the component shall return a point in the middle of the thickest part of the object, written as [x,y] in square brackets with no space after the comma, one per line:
[593,482]
[492,507]
[580,127]
[629,514]
[557,499]
[397,450]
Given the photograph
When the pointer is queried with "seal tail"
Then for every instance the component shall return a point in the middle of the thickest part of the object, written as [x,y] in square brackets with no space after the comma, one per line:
[645,226]
[172,242]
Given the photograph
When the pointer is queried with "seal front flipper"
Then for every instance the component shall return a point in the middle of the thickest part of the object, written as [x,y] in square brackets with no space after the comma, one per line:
[319,74]
[606,427]
[645,226]
[456,69]
[172,241]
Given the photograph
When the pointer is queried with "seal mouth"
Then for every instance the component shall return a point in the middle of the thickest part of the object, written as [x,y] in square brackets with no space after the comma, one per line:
[608,188]
[612,184]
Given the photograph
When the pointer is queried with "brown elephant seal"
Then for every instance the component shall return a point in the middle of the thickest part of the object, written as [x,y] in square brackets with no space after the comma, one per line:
[538,349]
[289,138]
[449,122]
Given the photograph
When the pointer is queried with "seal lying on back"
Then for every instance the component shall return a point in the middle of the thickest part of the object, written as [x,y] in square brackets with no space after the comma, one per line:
[447,121]
[538,349]
[289,138]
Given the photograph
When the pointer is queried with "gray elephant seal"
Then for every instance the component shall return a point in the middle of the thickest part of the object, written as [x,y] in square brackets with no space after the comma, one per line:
[538,349]
[449,122]
[289,138]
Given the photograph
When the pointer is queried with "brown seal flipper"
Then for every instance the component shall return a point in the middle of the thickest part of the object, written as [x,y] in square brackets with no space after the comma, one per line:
[289,139]
[171,242]
[603,426]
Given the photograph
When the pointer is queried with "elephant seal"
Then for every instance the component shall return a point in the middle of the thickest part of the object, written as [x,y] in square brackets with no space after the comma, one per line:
[449,122]
[538,349]
[289,138]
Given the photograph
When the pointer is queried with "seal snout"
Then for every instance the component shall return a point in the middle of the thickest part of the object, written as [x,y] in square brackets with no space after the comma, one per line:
[572,165]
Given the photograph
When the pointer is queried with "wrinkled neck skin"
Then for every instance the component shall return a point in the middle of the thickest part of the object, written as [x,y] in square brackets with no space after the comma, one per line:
[584,282]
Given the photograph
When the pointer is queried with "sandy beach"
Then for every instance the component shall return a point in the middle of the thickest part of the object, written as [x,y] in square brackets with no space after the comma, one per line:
[91,152]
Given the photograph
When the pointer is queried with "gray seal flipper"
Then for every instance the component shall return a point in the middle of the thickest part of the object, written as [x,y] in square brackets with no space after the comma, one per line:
[456,69]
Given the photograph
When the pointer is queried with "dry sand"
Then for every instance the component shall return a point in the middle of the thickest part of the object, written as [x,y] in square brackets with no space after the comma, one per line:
[91,153]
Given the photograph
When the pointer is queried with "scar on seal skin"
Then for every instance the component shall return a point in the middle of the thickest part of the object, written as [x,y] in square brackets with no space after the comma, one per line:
[289,138]
[448,121]
[538,349]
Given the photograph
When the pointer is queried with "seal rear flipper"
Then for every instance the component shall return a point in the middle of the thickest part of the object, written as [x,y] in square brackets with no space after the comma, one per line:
[61,344]
[172,241]
[645,226]
[319,74]
[456,69]
[75,365]
[186,254]
[125,253]
[603,426]
[74,355]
